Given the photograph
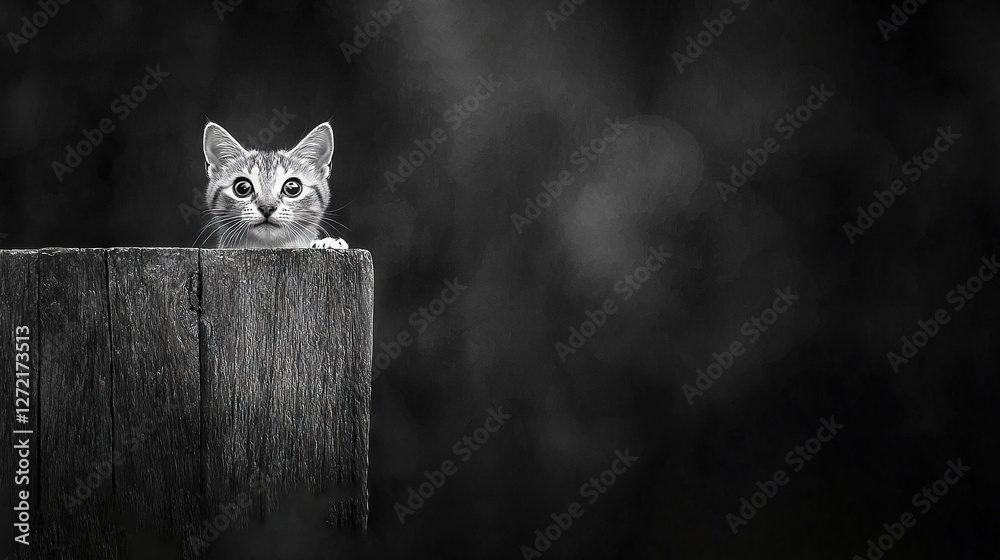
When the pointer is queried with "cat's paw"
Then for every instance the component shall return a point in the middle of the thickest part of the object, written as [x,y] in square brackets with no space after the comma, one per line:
[329,243]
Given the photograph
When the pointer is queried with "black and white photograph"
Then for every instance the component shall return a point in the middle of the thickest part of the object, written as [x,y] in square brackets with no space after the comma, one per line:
[499,279]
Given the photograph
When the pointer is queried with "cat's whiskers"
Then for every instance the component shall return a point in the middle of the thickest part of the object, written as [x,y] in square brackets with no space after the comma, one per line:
[322,230]
[224,238]
[243,241]
[204,230]
[333,223]
[241,236]
[286,186]
[334,212]
[298,231]
[230,239]
[218,222]
[319,223]
[317,228]
[223,222]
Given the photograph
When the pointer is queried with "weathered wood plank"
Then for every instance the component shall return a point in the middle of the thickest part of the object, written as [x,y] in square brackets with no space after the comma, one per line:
[19,299]
[286,364]
[76,419]
[157,390]
[350,403]
[264,390]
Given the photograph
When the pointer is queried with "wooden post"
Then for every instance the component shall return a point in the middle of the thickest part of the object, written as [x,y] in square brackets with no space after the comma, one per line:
[156,389]
[172,386]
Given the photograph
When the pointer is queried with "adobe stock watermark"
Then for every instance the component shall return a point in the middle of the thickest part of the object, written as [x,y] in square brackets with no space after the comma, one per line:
[566,9]
[30,25]
[787,126]
[958,297]
[714,28]
[752,330]
[103,470]
[464,449]
[212,528]
[914,169]
[281,119]
[410,162]
[597,318]
[592,490]
[796,459]
[121,107]
[900,15]
[222,7]
[581,159]
[925,501]
[420,319]
[372,29]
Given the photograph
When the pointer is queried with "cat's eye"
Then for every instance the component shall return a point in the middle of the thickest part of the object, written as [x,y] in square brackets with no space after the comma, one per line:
[242,188]
[292,188]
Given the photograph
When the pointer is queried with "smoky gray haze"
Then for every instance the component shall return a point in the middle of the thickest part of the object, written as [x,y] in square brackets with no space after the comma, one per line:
[589,310]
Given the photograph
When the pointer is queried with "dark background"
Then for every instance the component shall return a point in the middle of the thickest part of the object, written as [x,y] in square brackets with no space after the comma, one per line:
[654,186]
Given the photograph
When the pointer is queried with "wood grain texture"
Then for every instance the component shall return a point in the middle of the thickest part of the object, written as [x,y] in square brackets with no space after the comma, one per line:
[19,298]
[177,387]
[287,375]
[286,361]
[153,297]
[75,406]
[350,407]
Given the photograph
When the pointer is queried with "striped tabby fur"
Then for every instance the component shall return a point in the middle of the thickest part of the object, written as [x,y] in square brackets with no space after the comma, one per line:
[268,198]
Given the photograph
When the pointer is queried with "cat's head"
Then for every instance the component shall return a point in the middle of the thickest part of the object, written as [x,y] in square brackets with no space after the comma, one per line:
[267,198]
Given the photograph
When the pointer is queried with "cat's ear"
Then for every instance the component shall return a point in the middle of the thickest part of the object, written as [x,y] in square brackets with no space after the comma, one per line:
[220,147]
[317,146]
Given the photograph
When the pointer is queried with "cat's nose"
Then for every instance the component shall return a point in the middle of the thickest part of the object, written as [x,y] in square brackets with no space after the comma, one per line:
[266,210]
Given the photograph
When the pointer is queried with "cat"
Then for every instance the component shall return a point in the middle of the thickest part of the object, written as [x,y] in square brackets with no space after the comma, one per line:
[268,198]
